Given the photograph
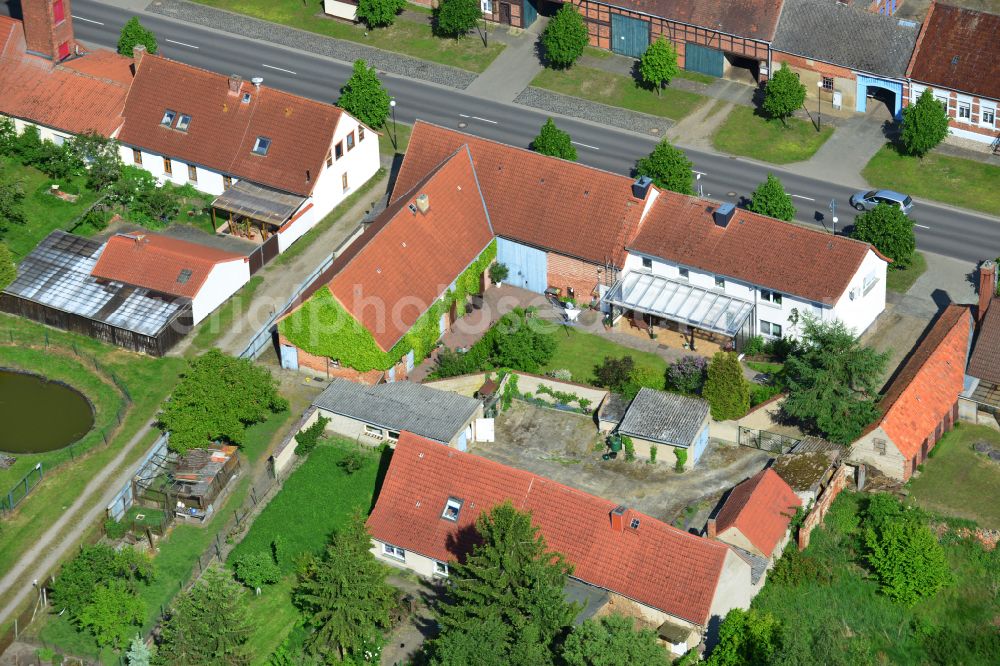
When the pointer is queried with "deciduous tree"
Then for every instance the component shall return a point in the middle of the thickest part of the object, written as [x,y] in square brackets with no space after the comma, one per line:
[134,33]
[455,18]
[102,157]
[8,269]
[565,37]
[658,64]
[11,200]
[925,124]
[217,398]
[379,13]
[209,624]
[114,612]
[345,598]
[554,142]
[747,638]
[669,168]
[890,230]
[771,199]
[726,389]
[783,94]
[832,381]
[505,602]
[614,373]
[611,641]
[73,589]
[364,96]
[255,570]
[8,136]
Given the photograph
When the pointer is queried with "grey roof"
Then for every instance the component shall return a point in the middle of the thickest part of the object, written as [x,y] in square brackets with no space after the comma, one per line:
[258,202]
[664,417]
[422,410]
[614,408]
[846,36]
[758,564]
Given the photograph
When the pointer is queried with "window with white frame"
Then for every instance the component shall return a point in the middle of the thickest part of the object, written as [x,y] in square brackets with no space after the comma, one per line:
[987,115]
[373,431]
[767,328]
[965,111]
[870,281]
[487,6]
[394,552]
[451,509]
[440,568]
[772,297]
[393,435]
[942,97]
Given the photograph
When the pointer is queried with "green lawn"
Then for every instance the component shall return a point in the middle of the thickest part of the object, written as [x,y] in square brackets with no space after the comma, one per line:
[44,212]
[956,481]
[900,281]
[951,180]
[316,500]
[580,352]
[951,627]
[220,320]
[402,136]
[617,90]
[404,36]
[745,133]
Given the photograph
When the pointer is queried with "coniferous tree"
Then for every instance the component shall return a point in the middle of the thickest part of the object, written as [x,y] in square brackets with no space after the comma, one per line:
[726,389]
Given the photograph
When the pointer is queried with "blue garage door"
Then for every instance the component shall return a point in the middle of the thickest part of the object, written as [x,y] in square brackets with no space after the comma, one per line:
[703,59]
[867,82]
[528,266]
[629,36]
[530,13]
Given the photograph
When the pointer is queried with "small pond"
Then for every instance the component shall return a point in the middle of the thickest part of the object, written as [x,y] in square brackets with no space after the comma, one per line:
[39,415]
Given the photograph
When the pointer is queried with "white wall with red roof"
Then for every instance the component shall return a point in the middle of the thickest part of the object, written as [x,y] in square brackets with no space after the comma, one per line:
[225,279]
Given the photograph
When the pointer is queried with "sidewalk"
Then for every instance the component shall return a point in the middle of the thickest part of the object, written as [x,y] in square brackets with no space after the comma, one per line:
[515,67]
[848,150]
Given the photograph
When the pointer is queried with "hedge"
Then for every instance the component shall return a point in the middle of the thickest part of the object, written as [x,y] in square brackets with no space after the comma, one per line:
[341,337]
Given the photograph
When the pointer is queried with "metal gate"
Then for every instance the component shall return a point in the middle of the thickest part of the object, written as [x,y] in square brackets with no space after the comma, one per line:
[866,82]
[629,36]
[766,440]
[263,254]
[703,59]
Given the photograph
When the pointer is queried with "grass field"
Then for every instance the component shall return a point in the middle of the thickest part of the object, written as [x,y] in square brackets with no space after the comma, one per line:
[580,352]
[951,627]
[618,90]
[220,320]
[316,500]
[405,36]
[956,480]
[745,133]
[402,135]
[950,180]
[901,281]
[44,212]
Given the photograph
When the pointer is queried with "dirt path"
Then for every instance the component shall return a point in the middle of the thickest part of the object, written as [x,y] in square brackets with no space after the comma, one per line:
[41,559]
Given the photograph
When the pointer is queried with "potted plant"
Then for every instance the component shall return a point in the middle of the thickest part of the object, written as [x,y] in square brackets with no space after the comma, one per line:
[498,273]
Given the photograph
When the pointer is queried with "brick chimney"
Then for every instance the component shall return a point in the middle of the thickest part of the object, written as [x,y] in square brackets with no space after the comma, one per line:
[48,28]
[235,81]
[710,529]
[987,287]
[618,518]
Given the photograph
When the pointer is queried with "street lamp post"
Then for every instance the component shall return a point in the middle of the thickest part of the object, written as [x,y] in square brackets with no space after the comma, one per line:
[819,104]
[392,105]
[701,190]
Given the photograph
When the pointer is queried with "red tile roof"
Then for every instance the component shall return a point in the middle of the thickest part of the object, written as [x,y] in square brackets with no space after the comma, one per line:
[757,19]
[223,129]
[156,262]
[403,263]
[927,386]
[985,360]
[79,95]
[959,49]
[753,248]
[542,201]
[656,564]
[761,508]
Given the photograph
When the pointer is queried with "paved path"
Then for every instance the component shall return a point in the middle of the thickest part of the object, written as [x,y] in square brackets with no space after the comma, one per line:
[848,149]
[513,69]
[41,559]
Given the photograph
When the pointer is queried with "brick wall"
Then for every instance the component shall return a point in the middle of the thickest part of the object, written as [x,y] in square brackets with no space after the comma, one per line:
[565,272]
[972,126]
[810,71]
[42,33]
[822,505]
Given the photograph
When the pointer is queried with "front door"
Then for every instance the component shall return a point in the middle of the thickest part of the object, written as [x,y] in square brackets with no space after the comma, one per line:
[505,13]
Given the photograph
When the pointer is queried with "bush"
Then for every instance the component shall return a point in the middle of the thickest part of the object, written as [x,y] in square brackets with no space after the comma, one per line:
[562,374]
[614,373]
[565,37]
[114,530]
[794,569]
[629,447]
[498,272]
[687,374]
[256,570]
[682,458]
[352,462]
[754,346]
[307,440]
[908,560]
[726,389]
[781,348]
[652,454]
[761,393]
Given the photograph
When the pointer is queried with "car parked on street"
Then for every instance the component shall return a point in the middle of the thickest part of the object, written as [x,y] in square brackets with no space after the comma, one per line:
[866,200]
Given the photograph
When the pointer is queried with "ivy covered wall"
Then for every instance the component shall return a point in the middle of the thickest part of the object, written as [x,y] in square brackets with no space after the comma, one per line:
[323,327]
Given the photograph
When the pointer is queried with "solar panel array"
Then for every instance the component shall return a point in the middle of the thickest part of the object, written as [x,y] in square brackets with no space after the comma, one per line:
[57,274]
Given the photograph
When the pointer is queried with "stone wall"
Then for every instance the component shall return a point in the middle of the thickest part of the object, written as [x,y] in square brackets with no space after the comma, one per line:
[822,505]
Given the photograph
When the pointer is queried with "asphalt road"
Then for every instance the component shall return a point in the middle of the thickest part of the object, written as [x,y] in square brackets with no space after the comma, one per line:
[944,230]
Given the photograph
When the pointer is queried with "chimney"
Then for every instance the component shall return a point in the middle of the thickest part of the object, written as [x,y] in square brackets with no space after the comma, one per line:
[987,287]
[48,28]
[710,529]
[235,81]
[423,203]
[724,214]
[256,81]
[640,188]
[618,518]
[138,51]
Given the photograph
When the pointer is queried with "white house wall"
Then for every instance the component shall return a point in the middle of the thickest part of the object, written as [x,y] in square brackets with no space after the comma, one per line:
[859,312]
[419,564]
[223,281]
[46,133]
[342,10]
[208,181]
[734,589]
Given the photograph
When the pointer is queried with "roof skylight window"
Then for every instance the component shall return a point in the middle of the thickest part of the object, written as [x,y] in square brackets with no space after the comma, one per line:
[168,118]
[184,276]
[261,145]
[451,509]
[183,122]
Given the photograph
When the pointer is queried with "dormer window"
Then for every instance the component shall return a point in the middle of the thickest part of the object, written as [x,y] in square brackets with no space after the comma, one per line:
[451,509]
[168,118]
[261,145]
[183,122]
[246,98]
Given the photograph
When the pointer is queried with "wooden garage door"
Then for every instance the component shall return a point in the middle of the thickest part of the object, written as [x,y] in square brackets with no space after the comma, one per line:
[702,59]
[629,36]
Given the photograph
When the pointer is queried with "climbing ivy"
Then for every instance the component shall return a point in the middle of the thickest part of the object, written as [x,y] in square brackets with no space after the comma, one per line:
[322,326]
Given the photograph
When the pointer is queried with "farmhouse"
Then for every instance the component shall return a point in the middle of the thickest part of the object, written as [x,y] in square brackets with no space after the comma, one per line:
[920,404]
[432,495]
[756,515]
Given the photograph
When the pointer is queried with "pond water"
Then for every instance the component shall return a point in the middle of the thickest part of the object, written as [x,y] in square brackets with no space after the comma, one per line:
[37,415]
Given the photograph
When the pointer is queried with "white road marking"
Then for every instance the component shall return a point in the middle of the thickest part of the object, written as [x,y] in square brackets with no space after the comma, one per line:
[920,225]
[462,115]
[190,46]
[80,18]
[280,69]
[486,120]
[584,145]
[799,196]
[700,173]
